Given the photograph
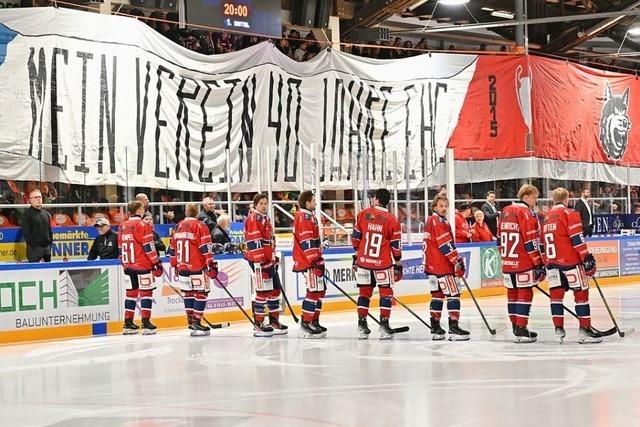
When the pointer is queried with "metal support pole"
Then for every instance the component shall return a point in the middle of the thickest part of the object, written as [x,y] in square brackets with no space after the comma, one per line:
[269,183]
[259,157]
[426,187]
[519,15]
[407,196]
[451,191]
[628,190]
[228,165]
[315,182]
[395,181]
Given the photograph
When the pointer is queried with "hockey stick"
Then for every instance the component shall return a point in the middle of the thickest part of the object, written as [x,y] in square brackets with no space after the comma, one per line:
[568,310]
[606,304]
[399,330]
[255,325]
[286,300]
[491,330]
[412,312]
[211,325]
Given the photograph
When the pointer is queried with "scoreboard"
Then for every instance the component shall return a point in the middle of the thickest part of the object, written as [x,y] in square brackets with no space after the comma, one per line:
[260,17]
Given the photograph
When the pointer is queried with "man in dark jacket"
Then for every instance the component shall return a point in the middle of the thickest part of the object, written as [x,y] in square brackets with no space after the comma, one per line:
[491,212]
[36,230]
[583,208]
[209,215]
[105,246]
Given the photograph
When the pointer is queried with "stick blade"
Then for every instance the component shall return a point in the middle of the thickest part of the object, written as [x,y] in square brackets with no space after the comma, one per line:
[401,330]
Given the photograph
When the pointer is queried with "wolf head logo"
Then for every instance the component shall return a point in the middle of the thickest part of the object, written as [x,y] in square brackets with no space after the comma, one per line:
[614,123]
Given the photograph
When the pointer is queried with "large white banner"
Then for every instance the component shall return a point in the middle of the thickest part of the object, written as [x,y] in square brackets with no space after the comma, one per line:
[94,99]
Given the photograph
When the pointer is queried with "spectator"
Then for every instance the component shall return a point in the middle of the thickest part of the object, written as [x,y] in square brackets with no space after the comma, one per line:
[220,233]
[157,241]
[105,246]
[36,230]
[583,208]
[300,53]
[142,198]
[208,214]
[463,229]
[481,231]
[491,212]
[175,214]
[284,47]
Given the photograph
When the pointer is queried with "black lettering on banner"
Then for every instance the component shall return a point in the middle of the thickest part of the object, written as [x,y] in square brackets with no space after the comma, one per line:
[55,108]
[493,95]
[183,121]
[206,127]
[431,127]
[324,126]
[407,132]
[233,83]
[141,122]
[339,86]
[352,133]
[277,124]
[159,123]
[296,127]
[37,88]
[357,131]
[248,111]
[371,149]
[85,56]
[385,127]
[107,113]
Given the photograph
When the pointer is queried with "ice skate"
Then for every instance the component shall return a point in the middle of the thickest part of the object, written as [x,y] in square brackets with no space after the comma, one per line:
[309,331]
[386,333]
[560,334]
[278,328]
[523,335]
[437,333]
[261,330]
[199,330]
[148,328]
[363,329]
[456,333]
[589,336]
[130,328]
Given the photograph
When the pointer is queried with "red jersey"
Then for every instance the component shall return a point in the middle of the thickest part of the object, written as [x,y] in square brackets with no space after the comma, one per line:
[135,240]
[190,247]
[258,235]
[462,228]
[306,241]
[439,249]
[519,239]
[482,233]
[562,238]
[376,239]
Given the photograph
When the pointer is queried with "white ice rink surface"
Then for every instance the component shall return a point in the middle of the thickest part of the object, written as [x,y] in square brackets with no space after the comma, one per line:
[233,379]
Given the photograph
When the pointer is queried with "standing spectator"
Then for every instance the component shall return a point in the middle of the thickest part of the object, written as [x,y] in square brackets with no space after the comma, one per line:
[144,199]
[105,246]
[220,233]
[583,208]
[208,215]
[491,212]
[481,230]
[300,52]
[157,241]
[36,230]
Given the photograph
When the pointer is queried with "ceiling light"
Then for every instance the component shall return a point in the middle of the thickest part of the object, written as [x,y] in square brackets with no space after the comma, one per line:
[487,9]
[502,14]
[416,5]
[453,2]
[634,30]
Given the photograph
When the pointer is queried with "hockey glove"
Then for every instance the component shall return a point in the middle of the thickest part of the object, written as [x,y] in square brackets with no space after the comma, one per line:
[539,273]
[460,268]
[212,269]
[158,269]
[397,272]
[589,264]
[318,268]
[354,264]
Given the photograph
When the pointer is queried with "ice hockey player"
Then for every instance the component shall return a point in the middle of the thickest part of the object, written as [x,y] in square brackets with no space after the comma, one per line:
[443,267]
[569,265]
[522,265]
[141,265]
[260,240]
[376,239]
[190,254]
[307,260]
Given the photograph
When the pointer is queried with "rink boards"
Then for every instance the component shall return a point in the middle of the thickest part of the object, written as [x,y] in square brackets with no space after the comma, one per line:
[85,298]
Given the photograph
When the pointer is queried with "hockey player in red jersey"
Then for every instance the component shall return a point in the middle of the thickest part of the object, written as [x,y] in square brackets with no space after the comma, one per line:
[190,254]
[307,260]
[141,265]
[443,266]
[258,235]
[522,265]
[376,239]
[569,265]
